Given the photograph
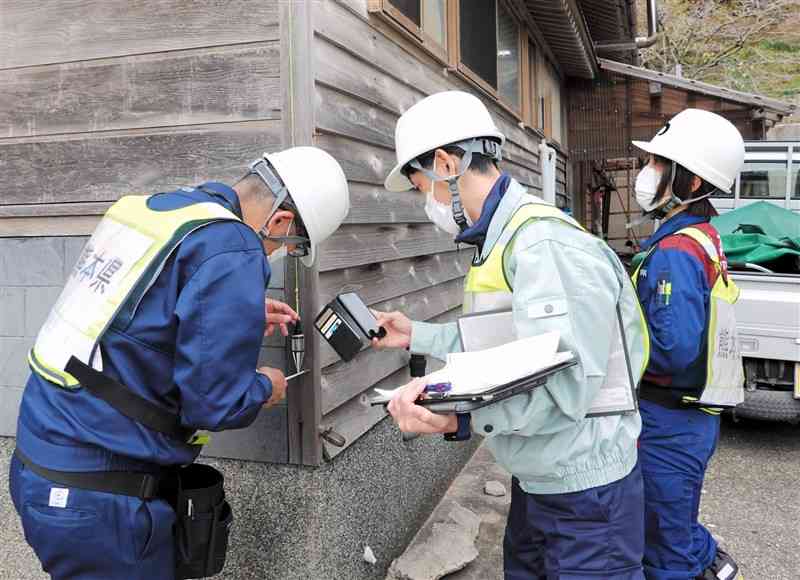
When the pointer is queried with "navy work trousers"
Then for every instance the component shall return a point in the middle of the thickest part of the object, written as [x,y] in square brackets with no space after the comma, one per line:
[674,450]
[88,535]
[591,534]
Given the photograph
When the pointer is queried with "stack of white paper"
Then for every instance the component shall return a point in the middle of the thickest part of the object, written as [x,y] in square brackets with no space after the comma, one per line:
[479,371]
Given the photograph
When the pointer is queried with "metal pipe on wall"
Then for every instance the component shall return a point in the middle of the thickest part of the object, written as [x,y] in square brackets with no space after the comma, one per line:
[639,41]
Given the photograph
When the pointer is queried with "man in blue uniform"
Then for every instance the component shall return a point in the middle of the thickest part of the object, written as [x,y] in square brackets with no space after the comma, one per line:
[185,273]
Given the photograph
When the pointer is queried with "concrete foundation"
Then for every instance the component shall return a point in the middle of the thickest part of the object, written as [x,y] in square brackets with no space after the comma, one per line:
[304,523]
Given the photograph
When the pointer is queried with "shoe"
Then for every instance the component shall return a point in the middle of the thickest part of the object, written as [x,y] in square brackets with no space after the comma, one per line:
[722,568]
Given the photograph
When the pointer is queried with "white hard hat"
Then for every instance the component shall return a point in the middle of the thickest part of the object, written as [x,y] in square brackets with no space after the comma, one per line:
[436,121]
[705,143]
[317,185]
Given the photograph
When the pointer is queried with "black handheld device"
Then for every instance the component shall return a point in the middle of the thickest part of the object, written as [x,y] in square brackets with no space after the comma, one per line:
[348,325]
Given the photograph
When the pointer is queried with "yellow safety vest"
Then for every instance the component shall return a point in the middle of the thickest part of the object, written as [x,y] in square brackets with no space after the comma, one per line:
[120,262]
[488,287]
[724,385]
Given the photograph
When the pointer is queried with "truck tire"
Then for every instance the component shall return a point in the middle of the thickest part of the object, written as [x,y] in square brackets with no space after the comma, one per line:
[769,406]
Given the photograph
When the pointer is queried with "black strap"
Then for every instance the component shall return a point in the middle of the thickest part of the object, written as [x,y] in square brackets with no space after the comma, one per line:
[633,385]
[663,396]
[142,485]
[127,402]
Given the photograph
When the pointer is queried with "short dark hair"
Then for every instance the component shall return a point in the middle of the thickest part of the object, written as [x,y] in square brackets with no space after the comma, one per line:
[480,163]
[682,187]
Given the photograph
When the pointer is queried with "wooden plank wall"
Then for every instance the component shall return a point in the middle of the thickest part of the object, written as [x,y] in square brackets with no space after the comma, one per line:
[102,98]
[388,251]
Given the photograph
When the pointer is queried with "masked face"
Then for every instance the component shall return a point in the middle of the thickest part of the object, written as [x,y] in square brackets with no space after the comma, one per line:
[646,187]
[281,251]
[440,213]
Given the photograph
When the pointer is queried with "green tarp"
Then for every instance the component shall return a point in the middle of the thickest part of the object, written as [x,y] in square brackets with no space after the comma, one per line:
[760,233]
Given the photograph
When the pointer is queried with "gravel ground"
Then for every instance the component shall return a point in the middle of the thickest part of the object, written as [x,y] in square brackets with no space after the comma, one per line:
[751,502]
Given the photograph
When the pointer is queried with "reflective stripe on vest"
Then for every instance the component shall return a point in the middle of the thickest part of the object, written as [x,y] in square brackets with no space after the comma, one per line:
[488,287]
[724,385]
[120,262]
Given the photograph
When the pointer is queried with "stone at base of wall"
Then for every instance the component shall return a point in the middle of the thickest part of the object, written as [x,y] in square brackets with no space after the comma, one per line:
[298,523]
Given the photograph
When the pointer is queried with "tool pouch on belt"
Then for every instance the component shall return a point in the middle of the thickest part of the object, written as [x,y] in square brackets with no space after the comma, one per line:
[203,522]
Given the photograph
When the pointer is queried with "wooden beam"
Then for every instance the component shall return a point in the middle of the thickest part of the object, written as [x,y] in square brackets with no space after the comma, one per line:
[297,70]
[54,209]
[14,227]
[697,86]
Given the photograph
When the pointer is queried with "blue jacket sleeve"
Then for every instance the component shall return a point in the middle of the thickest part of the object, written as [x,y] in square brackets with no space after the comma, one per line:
[674,294]
[221,323]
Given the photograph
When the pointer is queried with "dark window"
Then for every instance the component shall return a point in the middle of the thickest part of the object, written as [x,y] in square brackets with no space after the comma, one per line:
[508,64]
[409,8]
[478,26]
[763,179]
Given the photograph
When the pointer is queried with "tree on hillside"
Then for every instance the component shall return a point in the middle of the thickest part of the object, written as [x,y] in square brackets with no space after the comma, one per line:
[750,45]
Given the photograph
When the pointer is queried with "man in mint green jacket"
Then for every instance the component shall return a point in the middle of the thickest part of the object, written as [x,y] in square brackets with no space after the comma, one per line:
[577,501]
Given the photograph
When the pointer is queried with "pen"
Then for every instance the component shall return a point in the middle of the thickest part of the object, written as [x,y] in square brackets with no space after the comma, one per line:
[295,375]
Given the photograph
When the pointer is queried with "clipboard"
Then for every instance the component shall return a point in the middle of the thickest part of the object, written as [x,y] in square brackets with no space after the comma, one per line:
[495,327]
[465,403]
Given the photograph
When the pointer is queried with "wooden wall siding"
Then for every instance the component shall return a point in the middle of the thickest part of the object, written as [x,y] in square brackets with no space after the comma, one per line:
[104,166]
[123,97]
[225,84]
[366,76]
[51,31]
[355,417]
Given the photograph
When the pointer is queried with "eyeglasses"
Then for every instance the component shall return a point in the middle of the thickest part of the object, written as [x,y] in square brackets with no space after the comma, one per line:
[301,242]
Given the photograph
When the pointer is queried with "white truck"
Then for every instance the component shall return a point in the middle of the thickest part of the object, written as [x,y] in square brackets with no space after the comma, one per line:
[768,321]
[771,173]
[768,312]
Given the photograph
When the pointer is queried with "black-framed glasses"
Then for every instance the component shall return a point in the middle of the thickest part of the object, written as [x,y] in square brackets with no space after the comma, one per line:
[301,242]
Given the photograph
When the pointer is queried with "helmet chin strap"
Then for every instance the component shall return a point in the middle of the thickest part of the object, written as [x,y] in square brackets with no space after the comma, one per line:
[674,202]
[483,146]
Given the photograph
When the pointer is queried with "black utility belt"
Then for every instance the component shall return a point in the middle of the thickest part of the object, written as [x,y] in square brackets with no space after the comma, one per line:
[665,396]
[196,493]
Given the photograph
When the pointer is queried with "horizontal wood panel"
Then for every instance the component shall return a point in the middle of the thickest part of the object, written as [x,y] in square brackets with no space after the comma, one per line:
[341,114]
[48,31]
[47,226]
[355,76]
[356,245]
[361,162]
[236,83]
[104,167]
[386,280]
[522,174]
[56,209]
[344,380]
[372,204]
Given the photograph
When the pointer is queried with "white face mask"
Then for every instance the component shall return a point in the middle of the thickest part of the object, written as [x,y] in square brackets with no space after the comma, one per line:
[282,251]
[278,254]
[440,214]
[646,187]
